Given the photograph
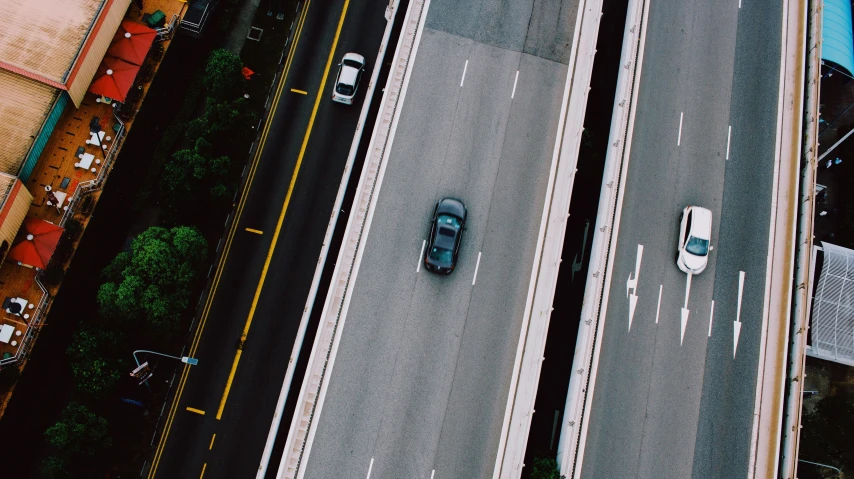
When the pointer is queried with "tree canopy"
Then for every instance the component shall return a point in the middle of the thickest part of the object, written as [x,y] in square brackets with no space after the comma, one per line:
[150,284]
[223,77]
[79,431]
[90,363]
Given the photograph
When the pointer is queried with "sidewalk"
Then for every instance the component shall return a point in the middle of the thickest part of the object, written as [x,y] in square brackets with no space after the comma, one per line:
[242,23]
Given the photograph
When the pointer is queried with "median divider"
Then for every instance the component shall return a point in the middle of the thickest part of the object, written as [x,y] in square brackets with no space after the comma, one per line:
[541,290]
[585,361]
[322,358]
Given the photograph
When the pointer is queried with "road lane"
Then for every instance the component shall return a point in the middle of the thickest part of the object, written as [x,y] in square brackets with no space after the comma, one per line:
[258,378]
[652,413]
[423,367]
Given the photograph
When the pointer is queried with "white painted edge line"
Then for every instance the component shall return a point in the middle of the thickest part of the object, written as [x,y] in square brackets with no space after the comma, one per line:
[476,267]
[421,256]
[324,253]
[728,137]
[789,122]
[370,468]
[584,386]
[658,309]
[679,138]
[711,318]
[507,461]
[512,95]
[465,67]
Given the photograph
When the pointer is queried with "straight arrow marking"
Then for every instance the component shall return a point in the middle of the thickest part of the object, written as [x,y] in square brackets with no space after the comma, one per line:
[736,327]
[685,311]
[632,285]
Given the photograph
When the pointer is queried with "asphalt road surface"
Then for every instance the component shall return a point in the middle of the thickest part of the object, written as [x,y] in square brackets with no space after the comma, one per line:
[235,451]
[664,408]
[422,372]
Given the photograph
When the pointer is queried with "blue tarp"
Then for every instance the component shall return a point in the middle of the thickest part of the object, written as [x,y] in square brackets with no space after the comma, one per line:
[837,38]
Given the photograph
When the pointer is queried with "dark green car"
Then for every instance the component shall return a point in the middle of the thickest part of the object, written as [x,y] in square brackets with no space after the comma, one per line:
[446,232]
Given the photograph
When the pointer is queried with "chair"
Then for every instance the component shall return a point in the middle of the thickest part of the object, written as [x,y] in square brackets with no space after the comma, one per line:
[77,165]
[94,170]
[97,161]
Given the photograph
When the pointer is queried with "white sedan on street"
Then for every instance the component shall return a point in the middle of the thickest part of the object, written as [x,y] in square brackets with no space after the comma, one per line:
[695,233]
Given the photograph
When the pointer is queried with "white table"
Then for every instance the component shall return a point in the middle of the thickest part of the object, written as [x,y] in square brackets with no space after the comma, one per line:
[6,332]
[86,161]
[60,198]
[97,138]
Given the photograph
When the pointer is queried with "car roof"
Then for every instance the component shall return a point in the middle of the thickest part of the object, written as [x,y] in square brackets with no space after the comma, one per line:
[701,224]
[452,206]
[348,75]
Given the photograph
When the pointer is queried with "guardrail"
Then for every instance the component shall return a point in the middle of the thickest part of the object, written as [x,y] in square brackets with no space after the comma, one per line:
[802,280]
[310,399]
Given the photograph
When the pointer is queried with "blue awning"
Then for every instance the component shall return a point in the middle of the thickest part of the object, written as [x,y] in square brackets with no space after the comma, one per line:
[837,38]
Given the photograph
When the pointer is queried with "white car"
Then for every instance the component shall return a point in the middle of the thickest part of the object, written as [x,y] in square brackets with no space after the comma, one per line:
[347,82]
[695,233]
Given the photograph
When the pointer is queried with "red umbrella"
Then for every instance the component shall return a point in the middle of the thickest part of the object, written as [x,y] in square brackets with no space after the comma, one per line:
[132,42]
[35,243]
[114,78]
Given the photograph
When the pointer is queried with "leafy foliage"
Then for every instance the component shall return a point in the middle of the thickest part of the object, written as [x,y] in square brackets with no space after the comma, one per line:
[545,468]
[223,78]
[150,285]
[89,352]
[54,467]
[79,431]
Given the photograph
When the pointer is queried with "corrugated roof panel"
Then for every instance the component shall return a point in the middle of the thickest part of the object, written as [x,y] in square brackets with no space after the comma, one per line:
[837,39]
[24,106]
[44,36]
[78,86]
[15,201]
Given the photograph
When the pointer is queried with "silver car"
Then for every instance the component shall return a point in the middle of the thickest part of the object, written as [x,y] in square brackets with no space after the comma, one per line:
[347,82]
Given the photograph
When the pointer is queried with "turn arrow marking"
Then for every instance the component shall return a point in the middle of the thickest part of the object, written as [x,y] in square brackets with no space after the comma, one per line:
[736,327]
[632,285]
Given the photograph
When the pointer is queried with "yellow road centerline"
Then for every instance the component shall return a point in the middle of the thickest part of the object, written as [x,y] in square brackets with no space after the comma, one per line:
[212,441]
[197,411]
[278,230]
[301,92]
[173,408]
[252,230]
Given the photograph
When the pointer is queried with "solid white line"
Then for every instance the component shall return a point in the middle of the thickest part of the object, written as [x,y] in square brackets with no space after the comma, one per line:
[371,466]
[711,316]
[476,268]
[728,136]
[658,309]
[514,85]
[464,73]
[432,474]
[739,3]
[421,256]
[679,139]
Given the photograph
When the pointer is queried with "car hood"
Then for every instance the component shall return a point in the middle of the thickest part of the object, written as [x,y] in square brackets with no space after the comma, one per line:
[693,262]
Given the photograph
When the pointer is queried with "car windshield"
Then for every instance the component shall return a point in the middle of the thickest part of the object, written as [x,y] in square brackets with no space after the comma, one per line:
[697,246]
[352,63]
[441,255]
[344,89]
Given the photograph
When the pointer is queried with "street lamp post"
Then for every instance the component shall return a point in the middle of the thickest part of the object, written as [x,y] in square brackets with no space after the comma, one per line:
[822,465]
[183,359]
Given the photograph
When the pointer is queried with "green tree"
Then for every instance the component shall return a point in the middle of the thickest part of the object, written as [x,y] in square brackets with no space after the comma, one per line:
[79,432]
[195,176]
[153,287]
[545,468]
[54,467]
[89,352]
[223,77]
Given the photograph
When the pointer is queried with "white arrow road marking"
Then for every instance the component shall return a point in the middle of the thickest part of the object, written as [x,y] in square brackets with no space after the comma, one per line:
[736,327]
[711,316]
[576,263]
[421,256]
[632,284]
[658,309]
[685,310]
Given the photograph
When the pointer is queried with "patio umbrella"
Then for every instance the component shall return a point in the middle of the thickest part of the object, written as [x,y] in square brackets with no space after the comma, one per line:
[132,42]
[114,78]
[35,243]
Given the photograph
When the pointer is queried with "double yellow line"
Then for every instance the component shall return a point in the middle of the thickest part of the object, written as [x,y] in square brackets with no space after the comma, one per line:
[221,265]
